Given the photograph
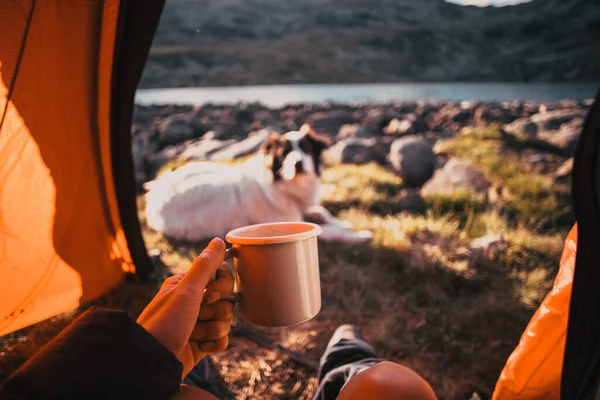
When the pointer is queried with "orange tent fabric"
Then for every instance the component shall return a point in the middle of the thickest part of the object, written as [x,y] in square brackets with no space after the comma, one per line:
[533,371]
[62,240]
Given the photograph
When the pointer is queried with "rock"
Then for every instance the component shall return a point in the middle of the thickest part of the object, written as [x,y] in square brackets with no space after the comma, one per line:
[490,113]
[558,129]
[563,173]
[522,128]
[354,151]
[192,150]
[242,148]
[565,138]
[375,120]
[329,122]
[553,120]
[174,129]
[412,203]
[227,131]
[412,158]
[461,116]
[347,131]
[458,173]
[398,127]
[485,247]
[202,149]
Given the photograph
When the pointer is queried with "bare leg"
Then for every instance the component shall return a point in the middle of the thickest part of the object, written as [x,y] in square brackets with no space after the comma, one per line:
[351,370]
[385,381]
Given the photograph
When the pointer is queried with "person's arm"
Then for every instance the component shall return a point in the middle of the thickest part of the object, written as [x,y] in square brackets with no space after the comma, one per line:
[102,354]
[105,354]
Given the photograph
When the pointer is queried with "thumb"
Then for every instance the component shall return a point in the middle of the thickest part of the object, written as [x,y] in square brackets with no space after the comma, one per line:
[205,265]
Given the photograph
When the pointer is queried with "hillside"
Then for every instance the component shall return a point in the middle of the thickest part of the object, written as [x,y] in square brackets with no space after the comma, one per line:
[248,42]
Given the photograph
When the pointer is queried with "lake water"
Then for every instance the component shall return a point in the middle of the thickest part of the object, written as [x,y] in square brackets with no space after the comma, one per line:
[280,95]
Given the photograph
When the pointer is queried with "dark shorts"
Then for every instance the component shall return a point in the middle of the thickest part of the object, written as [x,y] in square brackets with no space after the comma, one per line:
[198,378]
[338,365]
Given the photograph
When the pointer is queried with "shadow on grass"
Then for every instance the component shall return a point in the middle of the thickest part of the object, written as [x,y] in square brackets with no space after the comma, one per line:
[439,321]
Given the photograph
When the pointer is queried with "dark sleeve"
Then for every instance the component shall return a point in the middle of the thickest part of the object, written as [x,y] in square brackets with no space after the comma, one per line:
[103,354]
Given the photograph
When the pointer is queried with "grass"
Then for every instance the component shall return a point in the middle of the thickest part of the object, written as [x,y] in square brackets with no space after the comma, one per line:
[420,296]
[532,198]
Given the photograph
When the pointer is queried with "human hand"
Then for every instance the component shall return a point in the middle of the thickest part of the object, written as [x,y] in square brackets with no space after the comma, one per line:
[177,316]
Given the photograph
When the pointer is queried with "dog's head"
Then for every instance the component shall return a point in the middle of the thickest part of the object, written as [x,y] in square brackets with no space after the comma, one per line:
[295,153]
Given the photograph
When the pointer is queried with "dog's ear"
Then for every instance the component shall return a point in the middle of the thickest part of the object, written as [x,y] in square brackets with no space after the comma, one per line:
[269,149]
[271,142]
[320,142]
[305,129]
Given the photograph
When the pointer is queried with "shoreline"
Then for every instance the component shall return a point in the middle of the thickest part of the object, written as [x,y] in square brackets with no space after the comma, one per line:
[362,93]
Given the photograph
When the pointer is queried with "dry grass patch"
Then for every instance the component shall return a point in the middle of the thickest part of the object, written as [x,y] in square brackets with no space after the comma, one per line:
[420,297]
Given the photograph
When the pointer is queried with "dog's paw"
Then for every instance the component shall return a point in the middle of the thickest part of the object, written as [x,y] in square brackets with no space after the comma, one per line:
[345,224]
[335,234]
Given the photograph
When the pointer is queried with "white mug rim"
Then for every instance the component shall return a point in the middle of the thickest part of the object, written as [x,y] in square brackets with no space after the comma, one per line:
[236,236]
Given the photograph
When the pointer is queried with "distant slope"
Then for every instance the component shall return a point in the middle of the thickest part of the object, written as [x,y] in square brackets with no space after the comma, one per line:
[247,42]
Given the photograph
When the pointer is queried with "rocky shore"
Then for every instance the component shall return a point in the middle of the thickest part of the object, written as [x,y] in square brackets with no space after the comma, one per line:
[404,137]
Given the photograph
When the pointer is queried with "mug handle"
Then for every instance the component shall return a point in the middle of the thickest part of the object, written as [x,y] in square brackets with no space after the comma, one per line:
[235,296]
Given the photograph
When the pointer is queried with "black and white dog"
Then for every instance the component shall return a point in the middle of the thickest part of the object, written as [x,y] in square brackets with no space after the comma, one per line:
[201,200]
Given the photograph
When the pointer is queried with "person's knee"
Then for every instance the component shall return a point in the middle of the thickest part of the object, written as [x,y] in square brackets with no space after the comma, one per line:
[387,380]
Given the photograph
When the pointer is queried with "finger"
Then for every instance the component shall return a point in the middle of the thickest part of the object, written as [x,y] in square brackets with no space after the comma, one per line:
[222,287]
[205,265]
[221,310]
[211,330]
[224,271]
[173,280]
[212,346]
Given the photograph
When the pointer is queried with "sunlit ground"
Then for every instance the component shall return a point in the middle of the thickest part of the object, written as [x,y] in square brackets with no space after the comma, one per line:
[422,298]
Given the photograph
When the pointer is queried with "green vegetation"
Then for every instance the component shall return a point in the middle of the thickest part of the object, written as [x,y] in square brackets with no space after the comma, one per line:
[530,197]
[420,294]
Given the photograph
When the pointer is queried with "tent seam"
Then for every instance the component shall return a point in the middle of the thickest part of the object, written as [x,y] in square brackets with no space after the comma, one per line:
[18,63]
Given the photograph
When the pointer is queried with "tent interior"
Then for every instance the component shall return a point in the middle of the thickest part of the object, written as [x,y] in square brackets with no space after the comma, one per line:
[68,222]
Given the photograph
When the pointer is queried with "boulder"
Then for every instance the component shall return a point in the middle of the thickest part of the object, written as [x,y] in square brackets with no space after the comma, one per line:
[376,119]
[488,113]
[412,202]
[565,137]
[226,131]
[354,151]
[398,127]
[457,174]
[175,129]
[329,122]
[553,120]
[563,173]
[412,158]
[347,131]
[199,150]
[408,125]
[191,150]
[557,130]
[522,129]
